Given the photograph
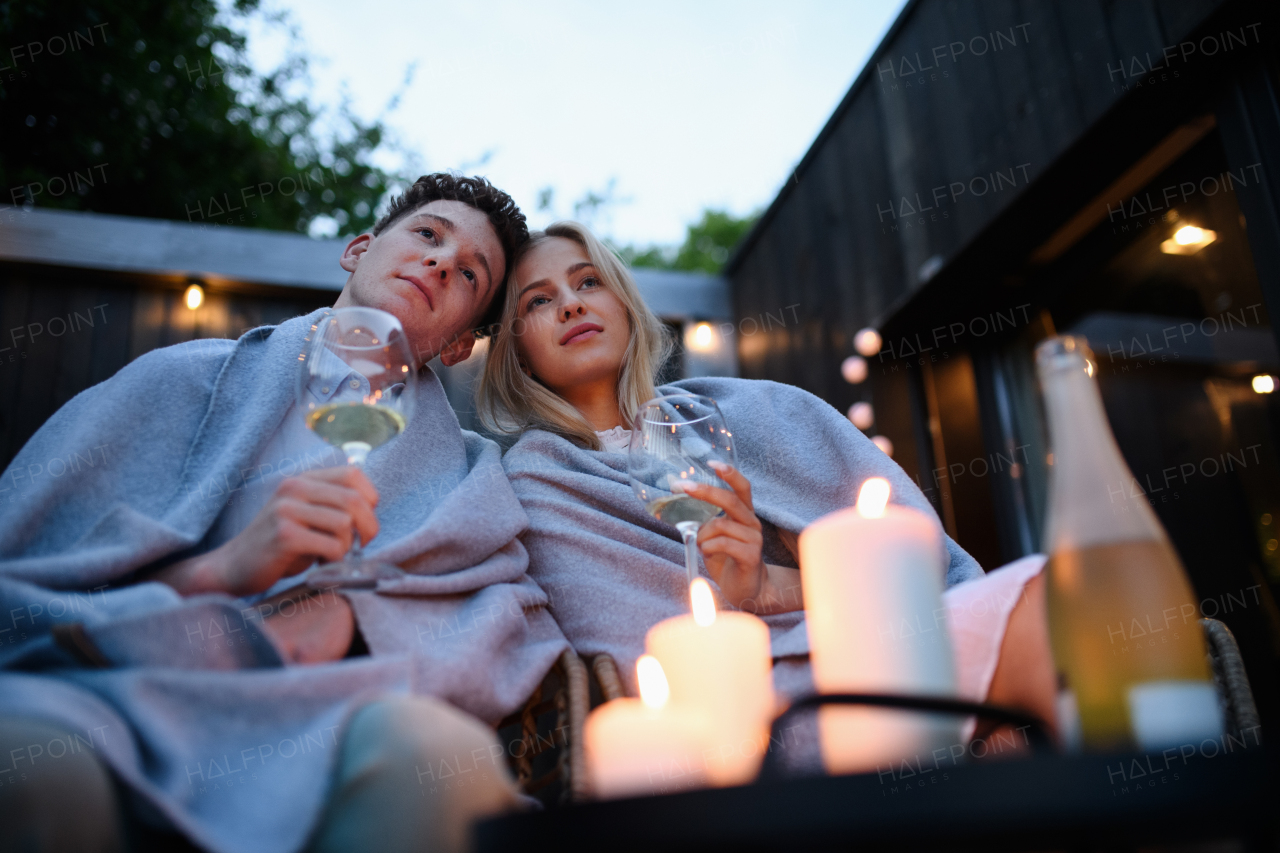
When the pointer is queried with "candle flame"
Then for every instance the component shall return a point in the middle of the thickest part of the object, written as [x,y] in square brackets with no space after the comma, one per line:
[654,691]
[872,497]
[703,602]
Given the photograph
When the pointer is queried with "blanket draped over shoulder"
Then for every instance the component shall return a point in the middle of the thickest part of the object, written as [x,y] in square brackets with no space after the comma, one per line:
[613,571]
[194,709]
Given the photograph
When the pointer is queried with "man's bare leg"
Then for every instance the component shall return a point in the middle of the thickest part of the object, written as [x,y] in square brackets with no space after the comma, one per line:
[414,774]
[55,795]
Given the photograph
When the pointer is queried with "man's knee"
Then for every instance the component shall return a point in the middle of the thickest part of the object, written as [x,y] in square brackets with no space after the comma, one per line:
[54,793]
[415,773]
[437,742]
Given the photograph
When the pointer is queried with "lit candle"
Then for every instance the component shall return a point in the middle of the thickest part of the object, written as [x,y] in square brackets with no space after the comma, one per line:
[872,578]
[644,746]
[719,665]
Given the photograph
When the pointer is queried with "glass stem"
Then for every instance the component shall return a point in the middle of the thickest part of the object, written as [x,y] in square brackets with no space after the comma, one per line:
[689,531]
[357,452]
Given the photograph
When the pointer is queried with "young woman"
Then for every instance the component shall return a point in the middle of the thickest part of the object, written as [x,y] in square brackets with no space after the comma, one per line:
[574,359]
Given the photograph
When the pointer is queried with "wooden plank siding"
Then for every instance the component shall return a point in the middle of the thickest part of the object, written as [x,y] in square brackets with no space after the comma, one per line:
[852,234]
[67,330]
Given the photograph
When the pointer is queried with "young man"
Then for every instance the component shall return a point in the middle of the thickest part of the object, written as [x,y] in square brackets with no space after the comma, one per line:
[141,690]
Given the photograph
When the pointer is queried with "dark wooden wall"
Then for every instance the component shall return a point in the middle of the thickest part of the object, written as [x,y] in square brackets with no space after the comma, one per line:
[62,331]
[826,242]
[830,243]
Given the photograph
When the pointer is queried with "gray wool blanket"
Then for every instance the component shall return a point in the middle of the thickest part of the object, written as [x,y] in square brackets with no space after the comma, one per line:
[195,710]
[613,571]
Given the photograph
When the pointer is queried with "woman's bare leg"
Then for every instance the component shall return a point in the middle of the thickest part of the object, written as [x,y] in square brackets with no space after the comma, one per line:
[1024,678]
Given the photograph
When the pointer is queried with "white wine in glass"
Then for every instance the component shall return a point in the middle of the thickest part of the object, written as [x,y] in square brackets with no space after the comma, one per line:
[673,440]
[356,390]
[355,427]
[681,509]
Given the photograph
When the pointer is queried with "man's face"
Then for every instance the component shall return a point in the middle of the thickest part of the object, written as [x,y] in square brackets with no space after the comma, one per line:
[435,269]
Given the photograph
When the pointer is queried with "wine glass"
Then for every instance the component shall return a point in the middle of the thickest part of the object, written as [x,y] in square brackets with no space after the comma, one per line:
[356,386]
[673,439]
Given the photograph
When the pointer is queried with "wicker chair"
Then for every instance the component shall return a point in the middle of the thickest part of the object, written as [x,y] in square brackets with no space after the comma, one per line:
[544,739]
[1239,711]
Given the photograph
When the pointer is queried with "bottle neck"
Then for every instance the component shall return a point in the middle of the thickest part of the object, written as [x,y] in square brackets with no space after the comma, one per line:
[1093,497]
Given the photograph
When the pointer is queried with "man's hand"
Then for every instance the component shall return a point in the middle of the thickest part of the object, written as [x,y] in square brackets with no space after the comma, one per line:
[313,629]
[310,517]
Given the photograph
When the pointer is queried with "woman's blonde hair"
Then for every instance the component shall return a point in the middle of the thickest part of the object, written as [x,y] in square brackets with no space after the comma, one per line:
[509,401]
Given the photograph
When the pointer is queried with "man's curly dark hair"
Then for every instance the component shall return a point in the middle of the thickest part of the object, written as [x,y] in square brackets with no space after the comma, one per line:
[505,217]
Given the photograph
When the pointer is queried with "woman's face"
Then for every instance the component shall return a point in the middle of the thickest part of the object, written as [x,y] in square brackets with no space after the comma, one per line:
[571,329]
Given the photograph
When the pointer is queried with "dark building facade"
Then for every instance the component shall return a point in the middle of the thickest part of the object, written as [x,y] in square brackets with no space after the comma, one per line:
[1004,171]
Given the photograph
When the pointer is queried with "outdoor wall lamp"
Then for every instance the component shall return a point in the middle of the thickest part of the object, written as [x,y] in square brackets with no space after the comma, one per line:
[194,297]
[1188,240]
[702,338]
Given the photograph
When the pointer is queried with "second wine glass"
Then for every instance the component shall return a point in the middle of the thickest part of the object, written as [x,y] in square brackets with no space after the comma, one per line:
[673,441]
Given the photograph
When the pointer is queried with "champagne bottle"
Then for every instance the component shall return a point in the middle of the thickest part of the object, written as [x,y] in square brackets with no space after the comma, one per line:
[1123,621]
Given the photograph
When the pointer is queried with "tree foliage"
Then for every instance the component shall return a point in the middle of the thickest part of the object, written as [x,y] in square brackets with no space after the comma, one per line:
[707,245]
[150,108]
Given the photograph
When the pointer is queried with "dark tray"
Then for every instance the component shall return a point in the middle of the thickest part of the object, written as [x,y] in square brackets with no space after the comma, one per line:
[1224,789]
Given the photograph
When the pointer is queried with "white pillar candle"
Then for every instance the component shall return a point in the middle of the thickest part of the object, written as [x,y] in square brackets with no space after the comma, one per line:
[720,665]
[872,578]
[640,747]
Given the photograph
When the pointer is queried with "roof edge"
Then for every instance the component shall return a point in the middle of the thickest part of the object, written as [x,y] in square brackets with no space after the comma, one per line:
[731,265]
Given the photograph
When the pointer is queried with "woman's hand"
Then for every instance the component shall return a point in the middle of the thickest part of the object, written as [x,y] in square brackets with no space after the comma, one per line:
[731,546]
[310,517]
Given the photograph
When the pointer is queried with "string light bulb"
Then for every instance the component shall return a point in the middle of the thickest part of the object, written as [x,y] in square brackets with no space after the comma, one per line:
[854,369]
[867,342]
[862,415]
